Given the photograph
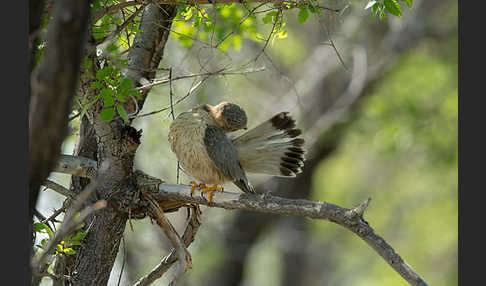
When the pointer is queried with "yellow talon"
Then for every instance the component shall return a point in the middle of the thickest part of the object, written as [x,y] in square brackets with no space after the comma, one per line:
[195,185]
[211,191]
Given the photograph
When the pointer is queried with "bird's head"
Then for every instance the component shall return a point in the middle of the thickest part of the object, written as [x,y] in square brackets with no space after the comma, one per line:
[227,116]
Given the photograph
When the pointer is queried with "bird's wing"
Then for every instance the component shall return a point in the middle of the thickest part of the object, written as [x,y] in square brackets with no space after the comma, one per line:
[224,155]
[273,147]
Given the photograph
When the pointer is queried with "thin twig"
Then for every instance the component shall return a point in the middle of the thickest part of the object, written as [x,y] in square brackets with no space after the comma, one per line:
[121,27]
[239,24]
[43,219]
[123,263]
[171,95]
[76,165]
[57,188]
[58,212]
[220,72]
[277,19]
[183,255]
[331,42]
[71,221]
[189,234]
[177,102]
[74,116]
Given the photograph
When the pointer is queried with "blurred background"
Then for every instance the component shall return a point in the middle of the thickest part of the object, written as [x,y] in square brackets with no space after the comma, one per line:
[379,120]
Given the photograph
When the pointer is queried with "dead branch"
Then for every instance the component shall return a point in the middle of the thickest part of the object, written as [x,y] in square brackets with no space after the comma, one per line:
[182,254]
[221,72]
[57,188]
[189,234]
[351,219]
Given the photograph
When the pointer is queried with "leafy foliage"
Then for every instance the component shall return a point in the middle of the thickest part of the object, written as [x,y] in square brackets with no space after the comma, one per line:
[225,25]
[113,89]
[379,8]
[65,246]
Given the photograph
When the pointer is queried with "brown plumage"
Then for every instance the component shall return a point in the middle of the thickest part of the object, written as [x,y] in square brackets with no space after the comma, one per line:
[199,140]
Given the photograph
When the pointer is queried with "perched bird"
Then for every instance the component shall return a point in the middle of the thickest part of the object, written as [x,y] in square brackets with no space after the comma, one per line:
[200,140]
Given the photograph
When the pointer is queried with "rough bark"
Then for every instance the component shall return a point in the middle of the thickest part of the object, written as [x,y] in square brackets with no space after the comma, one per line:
[113,145]
[87,148]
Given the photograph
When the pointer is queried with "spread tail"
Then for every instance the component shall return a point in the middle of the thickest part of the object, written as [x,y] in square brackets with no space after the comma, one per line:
[272,147]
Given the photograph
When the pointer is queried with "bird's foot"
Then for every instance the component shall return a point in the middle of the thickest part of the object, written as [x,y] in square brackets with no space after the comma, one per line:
[211,190]
[195,186]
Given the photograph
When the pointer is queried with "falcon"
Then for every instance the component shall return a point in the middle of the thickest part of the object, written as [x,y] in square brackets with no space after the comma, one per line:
[201,141]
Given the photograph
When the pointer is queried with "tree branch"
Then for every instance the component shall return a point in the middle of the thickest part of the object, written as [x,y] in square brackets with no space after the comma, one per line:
[58,188]
[76,166]
[188,237]
[351,219]
[114,8]
[181,252]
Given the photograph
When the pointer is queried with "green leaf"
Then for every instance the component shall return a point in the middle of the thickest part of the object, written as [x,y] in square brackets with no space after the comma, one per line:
[375,8]
[44,242]
[312,9]
[197,20]
[108,102]
[38,226]
[122,112]
[136,93]
[101,74]
[121,96]
[107,114]
[80,235]
[96,84]
[106,93]
[382,14]
[207,26]
[125,84]
[111,48]
[69,251]
[188,14]
[393,7]
[303,15]
[408,2]
[269,17]
[370,4]
[88,105]
[87,63]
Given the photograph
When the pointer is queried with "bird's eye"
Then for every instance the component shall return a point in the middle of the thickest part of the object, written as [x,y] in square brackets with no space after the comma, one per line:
[206,108]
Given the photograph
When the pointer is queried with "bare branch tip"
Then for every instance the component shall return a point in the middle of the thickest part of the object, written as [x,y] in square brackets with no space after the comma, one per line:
[359,209]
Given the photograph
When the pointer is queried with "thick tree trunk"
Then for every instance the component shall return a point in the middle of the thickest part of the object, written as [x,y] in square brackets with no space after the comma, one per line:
[113,144]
